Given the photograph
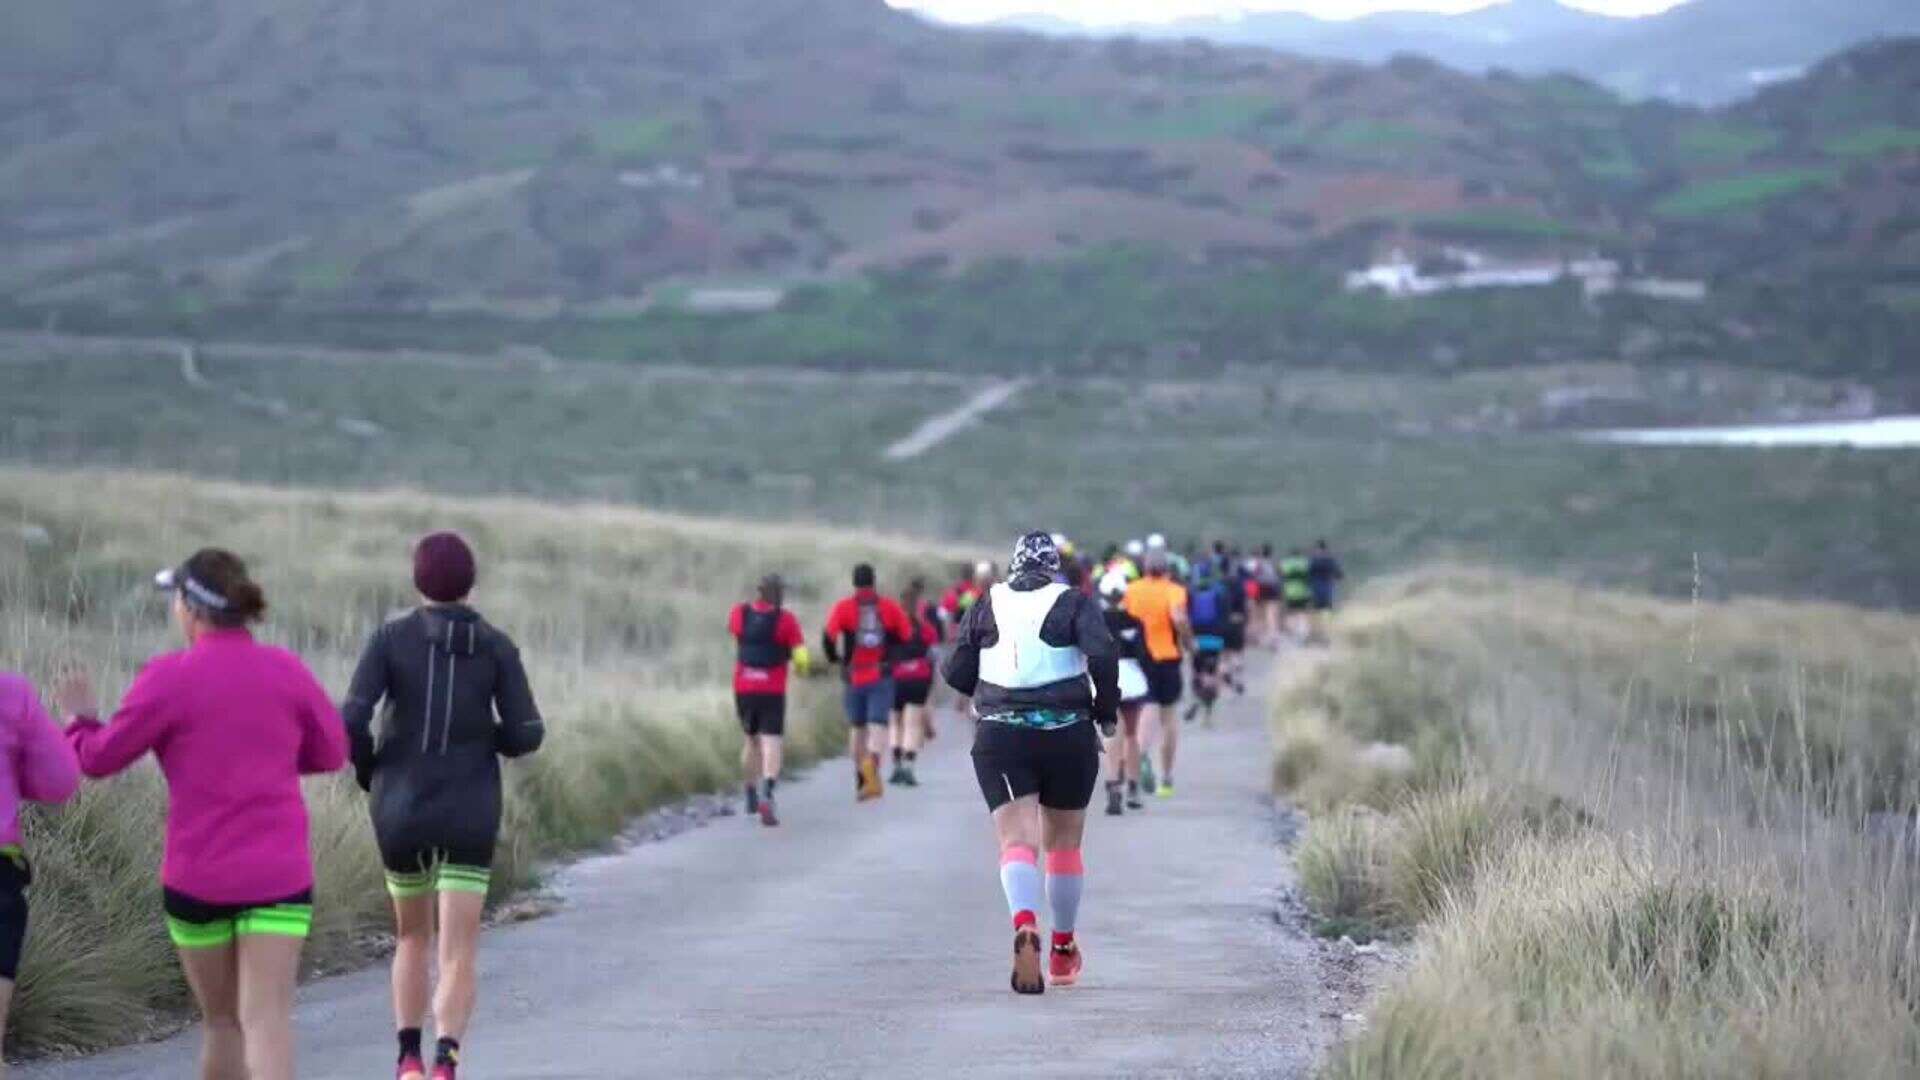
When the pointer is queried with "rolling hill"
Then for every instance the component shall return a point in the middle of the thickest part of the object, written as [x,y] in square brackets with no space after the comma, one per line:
[1704,52]
[210,164]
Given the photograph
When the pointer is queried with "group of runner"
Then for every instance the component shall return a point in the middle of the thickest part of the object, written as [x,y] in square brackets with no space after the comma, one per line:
[234,725]
[1062,655]
[1066,658]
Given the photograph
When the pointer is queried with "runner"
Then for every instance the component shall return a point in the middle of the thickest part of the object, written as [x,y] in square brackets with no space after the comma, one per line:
[861,634]
[433,776]
[1323,576]
[1267,574]
[912,684]
[1208,607]
[1123,751]
[1296,591]
[234,725]
[962,593]
[769,638]
[1038,662]
[1160,603]
[1237,576]
[36,765]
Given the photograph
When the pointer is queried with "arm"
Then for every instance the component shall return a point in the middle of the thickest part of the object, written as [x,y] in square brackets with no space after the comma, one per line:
[830,634]
[1092,637]
[139,725]
[521,730]
[962,667]
[49,772]
[323,738]
[369,686]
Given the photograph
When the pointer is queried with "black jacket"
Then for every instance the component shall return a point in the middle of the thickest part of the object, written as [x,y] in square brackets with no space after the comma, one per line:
[1075,621]
[1129,634]
[434,770]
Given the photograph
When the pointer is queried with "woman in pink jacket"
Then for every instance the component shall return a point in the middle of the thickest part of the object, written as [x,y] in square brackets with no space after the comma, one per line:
[234,725]
[35,764]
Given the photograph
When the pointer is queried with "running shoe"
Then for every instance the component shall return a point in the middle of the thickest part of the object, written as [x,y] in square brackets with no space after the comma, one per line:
[1133,801]
[1027,977]
[1146,777]
[444,1070]
[907,777]
[1113,802]
[898,775]
[767,817]
[1165,790]
[869,780]
[411,1068]
[1063,966]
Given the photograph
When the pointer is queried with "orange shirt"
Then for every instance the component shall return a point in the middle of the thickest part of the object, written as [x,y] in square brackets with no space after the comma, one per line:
[1155,601]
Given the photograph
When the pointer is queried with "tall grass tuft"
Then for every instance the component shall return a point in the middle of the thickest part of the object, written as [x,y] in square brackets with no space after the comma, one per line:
[619,613]
[1638,838]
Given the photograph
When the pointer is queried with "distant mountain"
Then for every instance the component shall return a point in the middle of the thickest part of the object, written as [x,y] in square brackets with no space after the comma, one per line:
[163,158]
[1704,52]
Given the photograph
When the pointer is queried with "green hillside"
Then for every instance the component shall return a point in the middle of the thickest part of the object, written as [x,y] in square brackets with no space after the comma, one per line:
[304,167]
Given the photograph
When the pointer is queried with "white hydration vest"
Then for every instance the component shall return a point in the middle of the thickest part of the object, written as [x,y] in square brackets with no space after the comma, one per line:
[1020,660]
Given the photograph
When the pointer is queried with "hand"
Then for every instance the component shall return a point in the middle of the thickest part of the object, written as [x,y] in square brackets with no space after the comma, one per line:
[73,695]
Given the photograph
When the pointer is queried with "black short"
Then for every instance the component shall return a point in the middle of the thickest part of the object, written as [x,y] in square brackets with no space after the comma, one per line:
[1323,603]
[1206,663]
[911,693]
[1163,681]
[1236,637]
[1269,593]
[13,915]
[761,714]
[1061,765]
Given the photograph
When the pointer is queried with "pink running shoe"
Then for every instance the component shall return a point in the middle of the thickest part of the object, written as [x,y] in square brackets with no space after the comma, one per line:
[410,1068]
[1063,965]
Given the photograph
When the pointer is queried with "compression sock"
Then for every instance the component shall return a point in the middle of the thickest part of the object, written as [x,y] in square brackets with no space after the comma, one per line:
[409,1043]
[1066,878]
[447,1052]
[1020,880]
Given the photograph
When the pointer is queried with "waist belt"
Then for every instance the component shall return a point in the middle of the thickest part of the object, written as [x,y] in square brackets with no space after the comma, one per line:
[1036,719]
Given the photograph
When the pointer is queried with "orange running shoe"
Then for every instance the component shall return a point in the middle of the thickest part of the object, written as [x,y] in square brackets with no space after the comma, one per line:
[1063,966]
[870,779]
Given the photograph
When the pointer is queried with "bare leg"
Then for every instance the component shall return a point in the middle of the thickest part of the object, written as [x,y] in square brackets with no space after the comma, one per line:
[913,722]
[750,759]
[1130,742]
[412,951]
[1017,823]
[269,967]
[6,1000]
[459,953]
[772,750]
[215,981]
[1169,741]
[1062,830]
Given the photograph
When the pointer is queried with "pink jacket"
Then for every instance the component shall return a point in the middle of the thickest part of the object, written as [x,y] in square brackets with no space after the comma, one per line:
[35,762]
[234,725]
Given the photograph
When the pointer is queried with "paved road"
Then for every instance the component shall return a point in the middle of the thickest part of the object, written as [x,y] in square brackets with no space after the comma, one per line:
[872,941]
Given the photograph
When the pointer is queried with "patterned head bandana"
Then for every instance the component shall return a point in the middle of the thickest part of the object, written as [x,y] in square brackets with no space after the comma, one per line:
[1034,554]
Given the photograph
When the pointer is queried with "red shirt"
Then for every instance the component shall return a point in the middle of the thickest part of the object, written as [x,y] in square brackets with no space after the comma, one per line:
[866,661]
[919,669]
[786,633]
[957,599]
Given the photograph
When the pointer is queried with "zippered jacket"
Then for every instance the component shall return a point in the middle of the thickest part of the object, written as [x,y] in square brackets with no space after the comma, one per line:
[456,701]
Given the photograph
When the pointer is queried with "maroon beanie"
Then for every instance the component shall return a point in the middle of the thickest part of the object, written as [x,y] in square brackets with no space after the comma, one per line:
[443,568]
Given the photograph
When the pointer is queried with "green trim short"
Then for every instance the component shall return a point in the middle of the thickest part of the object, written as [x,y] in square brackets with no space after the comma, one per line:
[196,924]
[439,875]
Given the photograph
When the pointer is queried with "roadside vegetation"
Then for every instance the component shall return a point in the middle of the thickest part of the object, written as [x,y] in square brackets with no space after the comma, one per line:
[1393,469]
[620,614]
[1628,837]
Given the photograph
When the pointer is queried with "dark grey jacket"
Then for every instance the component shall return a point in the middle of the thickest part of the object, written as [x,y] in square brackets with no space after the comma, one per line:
[1074,621]
[434,770]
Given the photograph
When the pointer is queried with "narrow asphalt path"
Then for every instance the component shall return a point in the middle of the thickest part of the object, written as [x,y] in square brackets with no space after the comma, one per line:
[871,940]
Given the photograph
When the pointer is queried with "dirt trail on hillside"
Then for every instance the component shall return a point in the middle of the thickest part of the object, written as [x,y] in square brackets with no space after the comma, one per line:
[871,940]
[938,429]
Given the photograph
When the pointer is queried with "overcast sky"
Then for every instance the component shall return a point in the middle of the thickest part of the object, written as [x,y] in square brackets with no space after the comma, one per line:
[1097,12]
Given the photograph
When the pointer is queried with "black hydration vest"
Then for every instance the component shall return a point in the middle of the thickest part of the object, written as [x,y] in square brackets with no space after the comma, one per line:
[758,633]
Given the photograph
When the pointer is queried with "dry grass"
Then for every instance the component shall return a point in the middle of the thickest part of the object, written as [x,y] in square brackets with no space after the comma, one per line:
[620,614]
[1638,838]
